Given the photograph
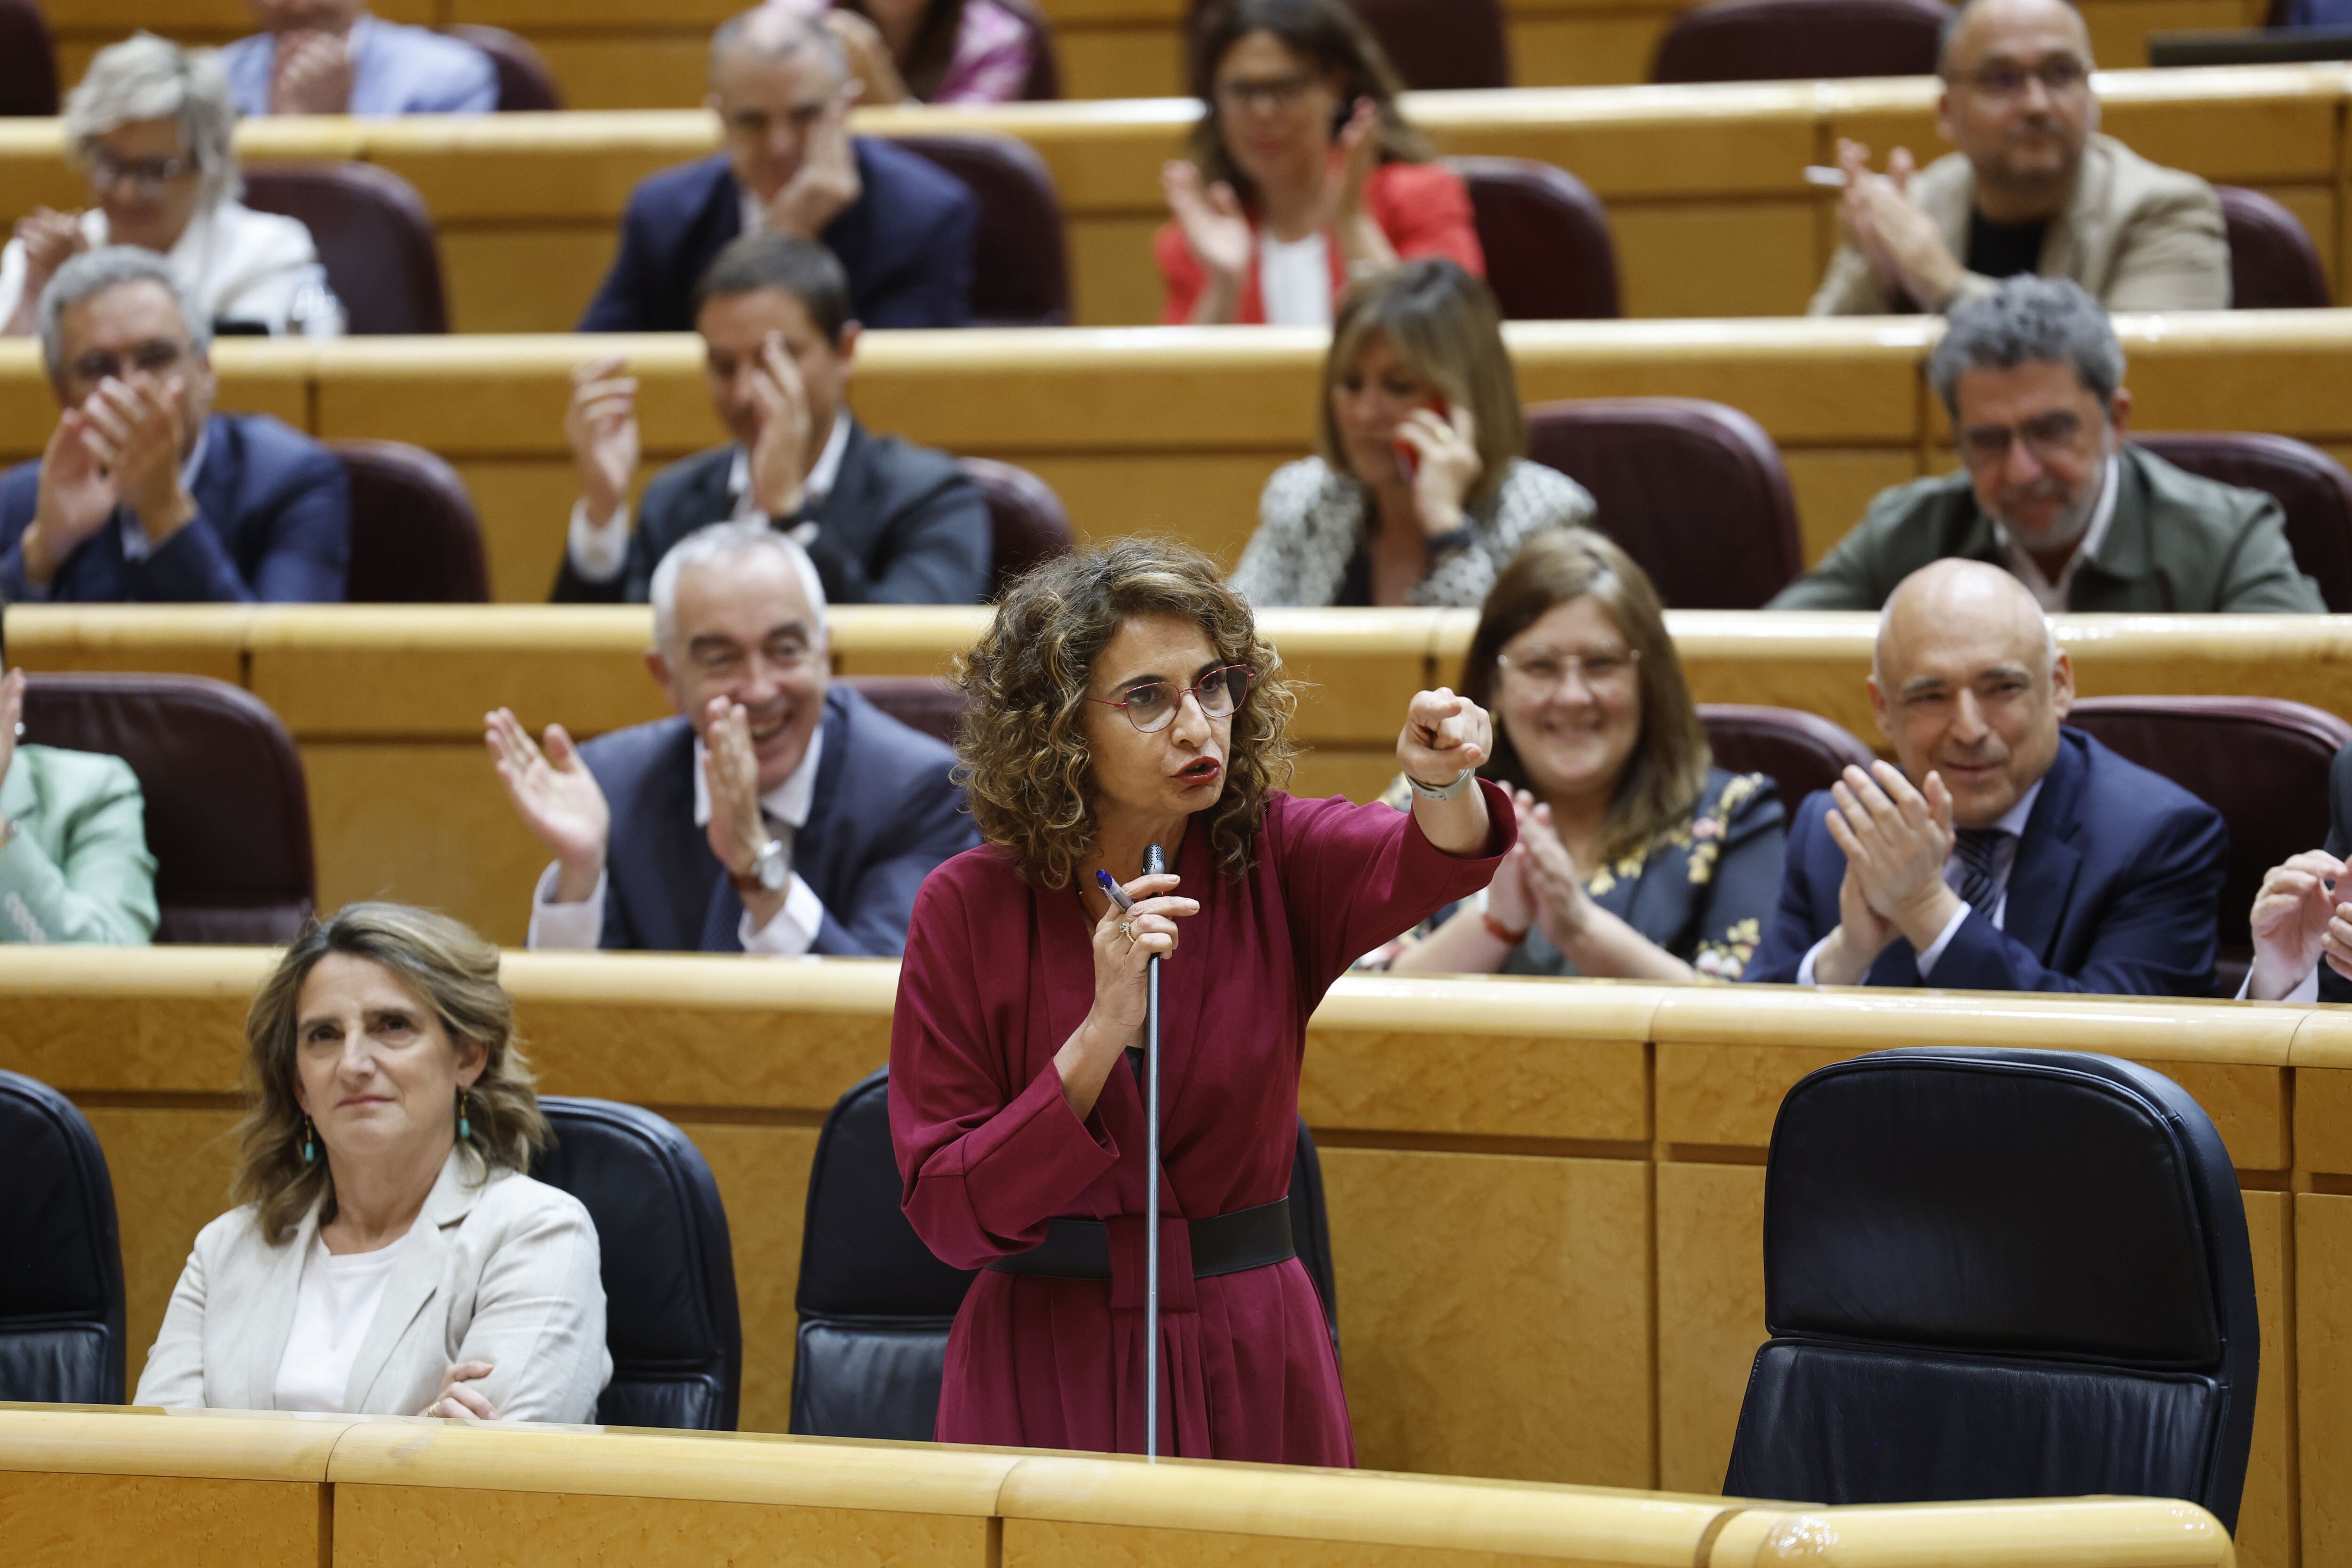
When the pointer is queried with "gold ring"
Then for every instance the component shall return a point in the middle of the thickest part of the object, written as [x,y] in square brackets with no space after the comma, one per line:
[1127,930]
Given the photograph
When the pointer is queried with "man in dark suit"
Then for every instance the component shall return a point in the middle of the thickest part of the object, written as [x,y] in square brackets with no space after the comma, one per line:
[777,814]
[2302,915]
[143,494]
[2008,853]
[885,522]
[902,226]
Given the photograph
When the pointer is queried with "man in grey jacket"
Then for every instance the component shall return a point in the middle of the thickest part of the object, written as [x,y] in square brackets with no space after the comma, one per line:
[2034,188]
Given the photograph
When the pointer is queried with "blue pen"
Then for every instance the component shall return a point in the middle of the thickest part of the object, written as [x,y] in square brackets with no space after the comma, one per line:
[1114,893]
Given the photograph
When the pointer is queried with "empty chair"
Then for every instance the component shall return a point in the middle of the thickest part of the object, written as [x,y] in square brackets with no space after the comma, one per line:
[228,818]
[28,61]
[927,703]
[374,239]
[61,1328]
[2259,762]
[526,81]
[1550,254]
[1024,517]
[1020,263]
[416,539]
[1800,752]
[876,1306]
[1432,44]
[2310,485]
[1693,491]
[2000,1274]
[2273,265]
[670,1314]
[1801,40]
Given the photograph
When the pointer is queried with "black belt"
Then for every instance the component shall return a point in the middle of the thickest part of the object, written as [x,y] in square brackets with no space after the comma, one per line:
[1080,1248]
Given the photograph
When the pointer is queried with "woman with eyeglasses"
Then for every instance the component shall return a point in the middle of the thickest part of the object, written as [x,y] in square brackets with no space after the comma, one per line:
[1122,699]
[152,126]
[1637,859]
[1302,177]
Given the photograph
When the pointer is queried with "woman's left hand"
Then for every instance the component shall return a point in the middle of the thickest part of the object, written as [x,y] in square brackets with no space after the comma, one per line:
[458,1399]
[1446,464]
[1561,903]
[1444,736]
[1357,146]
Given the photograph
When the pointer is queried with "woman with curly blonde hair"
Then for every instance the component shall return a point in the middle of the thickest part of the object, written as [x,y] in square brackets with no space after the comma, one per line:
[1122,699]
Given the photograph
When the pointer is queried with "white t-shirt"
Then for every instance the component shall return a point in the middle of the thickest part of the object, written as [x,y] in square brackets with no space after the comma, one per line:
[1294,279]
[332,1308]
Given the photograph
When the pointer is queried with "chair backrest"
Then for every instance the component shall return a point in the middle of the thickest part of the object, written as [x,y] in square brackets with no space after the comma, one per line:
[927,703]
[875,1305]
[416,539]
[1550,254]
[28,61]
[1801,40]
[670,1316]
[2273,265]
[1020,260]
[61,1325]
[2000,1274]
[1693,491]
[1025,519]
[1432,44]
[228,819]
[2261,761]
[374,239]
[526,81]
[1801,752]
[2311,488]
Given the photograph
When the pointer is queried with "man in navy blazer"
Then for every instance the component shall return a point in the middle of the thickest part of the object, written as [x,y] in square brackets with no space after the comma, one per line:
[902,226]
[143,494]
[778,814]
[2008,853]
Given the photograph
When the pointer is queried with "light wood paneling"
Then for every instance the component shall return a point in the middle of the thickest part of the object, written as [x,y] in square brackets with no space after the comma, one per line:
[179,1163]
[2268,1523]
[1710,1314]
[1040,1544]
[764,1174]
[2322,1278]
[71,1521]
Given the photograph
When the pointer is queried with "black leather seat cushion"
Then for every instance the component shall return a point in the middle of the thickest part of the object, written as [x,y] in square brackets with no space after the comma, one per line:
[671,1318]
[61,1327]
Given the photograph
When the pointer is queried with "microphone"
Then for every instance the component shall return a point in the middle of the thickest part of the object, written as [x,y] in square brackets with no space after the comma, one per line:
[1155,863]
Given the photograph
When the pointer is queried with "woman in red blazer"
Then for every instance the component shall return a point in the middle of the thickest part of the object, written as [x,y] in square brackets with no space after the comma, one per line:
[1301,177]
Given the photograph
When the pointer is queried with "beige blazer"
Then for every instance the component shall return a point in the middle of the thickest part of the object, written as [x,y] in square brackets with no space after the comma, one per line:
[503,1269]
[2138,235]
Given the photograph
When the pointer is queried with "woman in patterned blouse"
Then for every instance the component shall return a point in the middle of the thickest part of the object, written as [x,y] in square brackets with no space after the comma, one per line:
[1637,858]
[1421,494]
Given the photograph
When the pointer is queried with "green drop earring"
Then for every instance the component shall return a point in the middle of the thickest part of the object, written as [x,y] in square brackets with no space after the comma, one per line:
[309,1142]
[465,1126]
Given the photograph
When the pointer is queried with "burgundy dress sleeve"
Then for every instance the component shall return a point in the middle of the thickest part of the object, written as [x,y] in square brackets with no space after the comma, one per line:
[988,1152]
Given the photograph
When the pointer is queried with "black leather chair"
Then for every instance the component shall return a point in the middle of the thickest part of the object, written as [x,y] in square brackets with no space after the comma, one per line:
[1432,44]
[228,818]
[671,1319]
[1020,261]
[61,1328]
[1024,517]
[2311,487]
[1693,491]
[373,235]
[526,81]
[2000,1274]
[1800,752]
[927,703]
[28,61]
[2273,265]
[1801,40]
[875,1305]
[416,539]
[1550,254]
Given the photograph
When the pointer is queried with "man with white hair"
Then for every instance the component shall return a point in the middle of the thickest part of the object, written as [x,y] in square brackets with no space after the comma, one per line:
[779,813]
[2007,852]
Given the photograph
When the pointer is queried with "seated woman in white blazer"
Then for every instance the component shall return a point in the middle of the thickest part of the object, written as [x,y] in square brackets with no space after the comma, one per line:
[389,1257]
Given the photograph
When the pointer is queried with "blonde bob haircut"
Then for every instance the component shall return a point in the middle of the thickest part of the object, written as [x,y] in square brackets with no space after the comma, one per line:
[1025,762]
[1446,329]
[455,975]
[1666,772]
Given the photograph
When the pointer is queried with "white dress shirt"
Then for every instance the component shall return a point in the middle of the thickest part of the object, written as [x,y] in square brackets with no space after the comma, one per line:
[2011,824]
[233,264]
[2028,571]
[786,810]
[598,554]
[333,1306]
[1293,281]
[135,547]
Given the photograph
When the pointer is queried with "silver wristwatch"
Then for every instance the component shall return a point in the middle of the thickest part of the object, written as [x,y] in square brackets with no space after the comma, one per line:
[1444,792]
[770,868]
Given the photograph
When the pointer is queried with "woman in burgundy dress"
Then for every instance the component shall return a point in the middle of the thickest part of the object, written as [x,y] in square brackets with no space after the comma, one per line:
[1123,699]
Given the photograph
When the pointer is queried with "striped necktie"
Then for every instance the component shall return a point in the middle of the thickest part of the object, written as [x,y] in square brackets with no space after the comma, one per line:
[1978,849]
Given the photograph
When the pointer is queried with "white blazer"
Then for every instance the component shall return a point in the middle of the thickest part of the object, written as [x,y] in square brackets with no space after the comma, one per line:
[503,1269]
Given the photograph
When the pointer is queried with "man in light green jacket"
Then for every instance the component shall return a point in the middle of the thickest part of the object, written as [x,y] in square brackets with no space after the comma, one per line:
[74,864]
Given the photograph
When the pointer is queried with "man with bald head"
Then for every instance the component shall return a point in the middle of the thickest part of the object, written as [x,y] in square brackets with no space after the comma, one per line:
[2006,852]
[902,227]
[2033,188]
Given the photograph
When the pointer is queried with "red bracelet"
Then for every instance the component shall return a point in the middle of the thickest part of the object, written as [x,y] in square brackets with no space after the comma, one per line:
[1500,932]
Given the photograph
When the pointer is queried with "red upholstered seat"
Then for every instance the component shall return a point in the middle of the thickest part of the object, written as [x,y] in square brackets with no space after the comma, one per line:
[1432,44]
[1020,266]
[2312,487]
[1693,491]
[1550,254]
[927,703]
[526,81]
[1801,752]
[228,819]
[416,539]
[2273,265]
[28,61]
[1025,516]
[374,236]
[1801,40]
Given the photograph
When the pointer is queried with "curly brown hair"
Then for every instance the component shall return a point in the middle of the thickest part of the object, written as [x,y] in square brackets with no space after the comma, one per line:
[1022,738]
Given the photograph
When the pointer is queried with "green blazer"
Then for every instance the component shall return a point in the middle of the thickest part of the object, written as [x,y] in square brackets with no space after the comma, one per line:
[2177,543]
[78,869]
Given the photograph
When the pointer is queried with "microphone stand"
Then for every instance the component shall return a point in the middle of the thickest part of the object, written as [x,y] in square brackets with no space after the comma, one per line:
[1155,862]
